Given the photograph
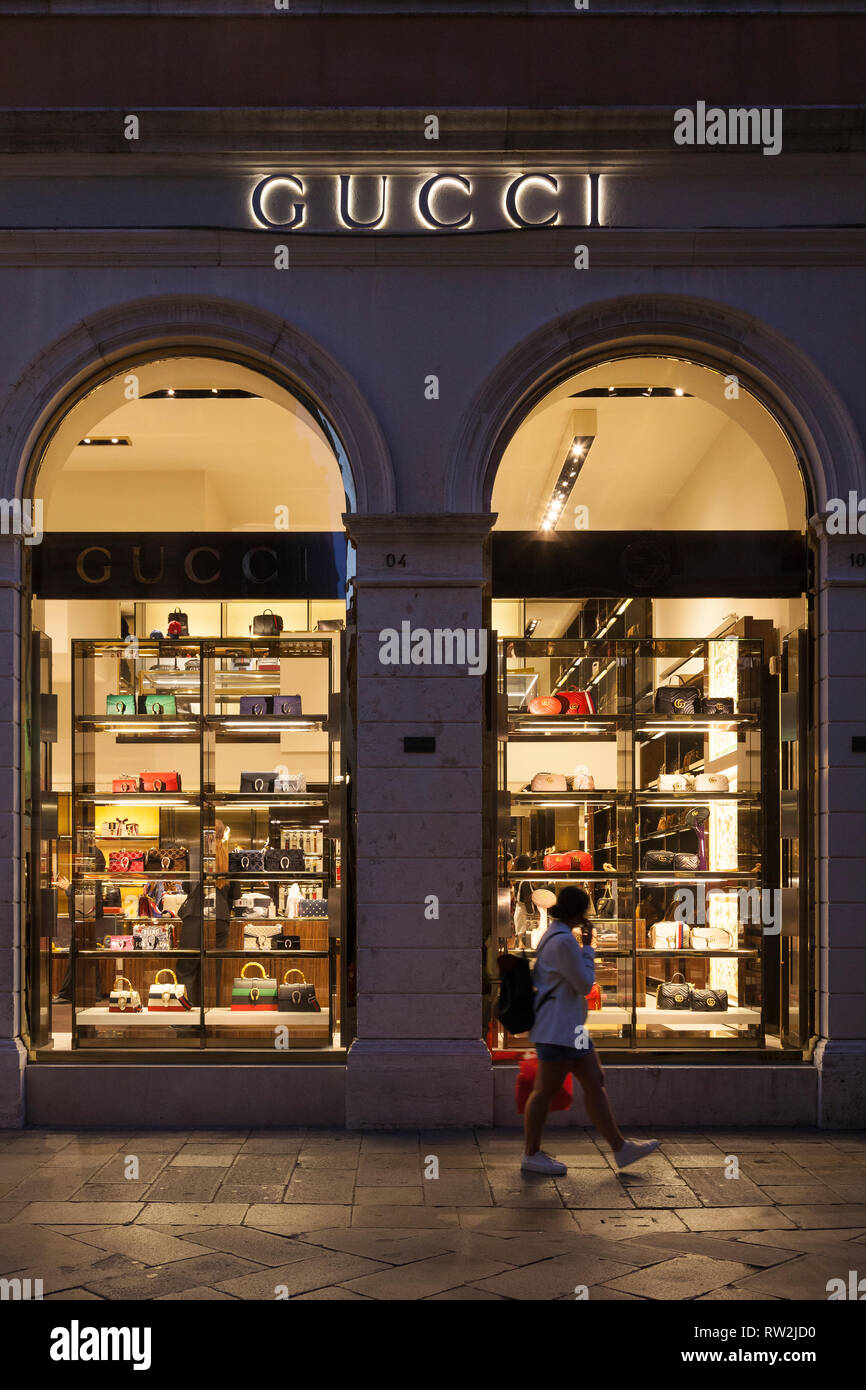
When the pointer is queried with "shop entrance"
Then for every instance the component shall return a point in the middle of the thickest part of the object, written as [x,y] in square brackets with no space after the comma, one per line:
[652,606]
[186,870]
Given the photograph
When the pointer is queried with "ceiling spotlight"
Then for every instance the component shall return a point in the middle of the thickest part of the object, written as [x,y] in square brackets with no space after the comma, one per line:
[170,391]
[679,391]
[530,627]
[575,460]
[611,390]
[648,391]
[85,441]
[214,390]
[115,439]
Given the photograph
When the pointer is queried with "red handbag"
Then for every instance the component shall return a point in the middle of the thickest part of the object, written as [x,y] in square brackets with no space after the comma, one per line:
[572,861]
[579,701]
[593,999]
[526,1080]
[125,784]
[125,861]
[547,704]
[160,782]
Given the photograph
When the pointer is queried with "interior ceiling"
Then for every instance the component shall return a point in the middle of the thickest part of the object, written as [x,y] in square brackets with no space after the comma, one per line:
[645,452]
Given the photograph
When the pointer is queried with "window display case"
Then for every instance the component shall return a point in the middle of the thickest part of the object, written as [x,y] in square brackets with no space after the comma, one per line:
[638,769]
[204,893]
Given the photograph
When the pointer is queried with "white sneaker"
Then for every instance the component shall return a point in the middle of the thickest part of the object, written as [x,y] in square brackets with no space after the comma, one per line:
[542,1163]
[634,1149]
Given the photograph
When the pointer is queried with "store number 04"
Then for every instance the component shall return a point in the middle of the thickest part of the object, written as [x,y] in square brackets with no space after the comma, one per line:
[391,560]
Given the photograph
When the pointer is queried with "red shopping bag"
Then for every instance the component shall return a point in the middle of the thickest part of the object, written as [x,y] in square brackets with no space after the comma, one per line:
[526,1080]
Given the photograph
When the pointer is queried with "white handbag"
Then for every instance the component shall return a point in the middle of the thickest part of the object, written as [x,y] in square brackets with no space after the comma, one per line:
[548,782]
[163,998]
[255,905]
[712,782]
[711,939]
[258,937]
[290,782]
[670,936]
[676,782]
[124,1001]
[583,779]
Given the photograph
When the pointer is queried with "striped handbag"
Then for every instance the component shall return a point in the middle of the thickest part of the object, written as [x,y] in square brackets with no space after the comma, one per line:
[165,998]
[254,995]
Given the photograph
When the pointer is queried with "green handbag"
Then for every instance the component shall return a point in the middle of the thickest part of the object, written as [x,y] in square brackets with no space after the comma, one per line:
[120,704]
[255,994]
[157,704]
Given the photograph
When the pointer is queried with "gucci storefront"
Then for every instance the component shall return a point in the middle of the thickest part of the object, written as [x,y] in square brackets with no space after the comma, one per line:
[388,543]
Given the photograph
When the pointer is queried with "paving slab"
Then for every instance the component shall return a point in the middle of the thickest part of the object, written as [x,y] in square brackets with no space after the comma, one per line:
[554,1278]
[318,1271]
[455,1188]
[621,1225]
[816,1217]
[393,1218]
[389,1172]
[200,1294]
[81,1213]
[390,1196]
[191,1214]
[682,1277]
[734,1295]
[142,1244]
[671,1194]
[334,1294]
[588,1189]
[805,1277]
[218,1158]
[523,1190]
[320,1185]
[715,1190]
[394,1247]
[186,1185]
[766,1218]
[423,1278]
[295,1218]
[263,1247]
[467,1293]
[541,1220]
[172,1278]
[95,1264]
[42,1189]
[694,1243]
[253,1193]
[72,1296]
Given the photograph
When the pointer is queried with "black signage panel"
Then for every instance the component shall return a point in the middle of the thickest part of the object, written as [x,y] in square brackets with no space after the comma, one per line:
[652,564]
[212,565]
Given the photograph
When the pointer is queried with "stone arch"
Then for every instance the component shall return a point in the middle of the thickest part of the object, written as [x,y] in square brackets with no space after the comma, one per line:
[821,431]
[101,343]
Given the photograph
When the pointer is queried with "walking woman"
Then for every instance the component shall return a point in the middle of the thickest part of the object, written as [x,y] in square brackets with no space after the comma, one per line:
[564,974]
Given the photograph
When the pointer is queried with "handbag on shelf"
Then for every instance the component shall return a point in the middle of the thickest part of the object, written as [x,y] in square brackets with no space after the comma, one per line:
[712,782]
[124,1001]
[165,998]
[125,861]
[120,704]
[167,858]
[162,705]
[313,907]
[257,704]
[298,996]
[674,996]
[548,705]
[284,860]
[686,863]
[246,861]
[179,622]
[256,905]
[155,938]
[258,781]
[287,706]
[678,699]
[260,937]
[676,782]
[173,902]
[669,936]
[286,943]
[121,943]
[255,995]
[583,780]
[711,939]
[290,782]
[125,784]
[571,861]
[579,701]
[606,907]
[659,859]
[548,782]
[267,624]
[160,782]
[330,625]
[719,704]
[709,1000]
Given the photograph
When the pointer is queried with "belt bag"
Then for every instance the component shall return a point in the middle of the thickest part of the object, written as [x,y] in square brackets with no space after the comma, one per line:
[686,862]
[157,704]
[120,704]
[313,907]
[246,861]
[267,624]
[669,936]
[260,938]
[711,939]
[679,699]
[254,994]
[258,781]
[285,861]
[166,998]
[579,702]
[569,861]
[125,861]
[659,859]
[287,705]
[673,995]
[712,782]
[719,704]
[166,858]
[160,782]
[710,1001]
[257,704]
[124,1001]
[548,782]
[125,784]
[676,782]
[298,996]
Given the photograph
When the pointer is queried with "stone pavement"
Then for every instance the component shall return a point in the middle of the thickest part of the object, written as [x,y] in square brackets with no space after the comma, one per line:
[331,1214]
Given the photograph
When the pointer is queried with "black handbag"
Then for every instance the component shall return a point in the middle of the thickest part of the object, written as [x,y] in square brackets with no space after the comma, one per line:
[167,858]
[258,781]
[285,860]
[686,862]
[709,1001]
[178,617]
[267,624]
[285,943]
[719,704]
[297,996]
[246,861]
[659,859]
[679,699]
[674,996]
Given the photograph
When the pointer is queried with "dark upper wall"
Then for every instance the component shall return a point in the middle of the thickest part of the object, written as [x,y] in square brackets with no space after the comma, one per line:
[576,60]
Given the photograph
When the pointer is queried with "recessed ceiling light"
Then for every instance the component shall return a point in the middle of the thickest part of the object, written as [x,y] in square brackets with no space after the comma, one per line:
[170,392]
[679,391]
[94,440]
[85,441]
[214,390]
[611,390]
[115,440]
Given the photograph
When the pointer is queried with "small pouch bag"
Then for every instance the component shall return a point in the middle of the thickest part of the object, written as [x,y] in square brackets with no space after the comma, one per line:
[166,998]
[709,1001]
[125,784]
[659,859]
[124,1000]
[719,704]
[548,782]
[672,995]
[286,943]
[257,704]
[120,704]
[246,861]
[258,781]
[298,996]
[712,782]
[255,905]
[254,994]
[283,861]
[546,705]
[121,943]
[287,706]
[679,699]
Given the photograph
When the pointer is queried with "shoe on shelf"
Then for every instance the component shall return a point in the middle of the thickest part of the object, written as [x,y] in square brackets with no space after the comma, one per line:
[633,1150]
[542,1163]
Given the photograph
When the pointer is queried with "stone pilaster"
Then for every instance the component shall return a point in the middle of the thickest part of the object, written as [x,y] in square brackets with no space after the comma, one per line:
[12,1052]
[419,1058]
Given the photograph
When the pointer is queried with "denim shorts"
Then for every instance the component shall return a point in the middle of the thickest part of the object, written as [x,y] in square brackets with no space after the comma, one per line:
[555,1052]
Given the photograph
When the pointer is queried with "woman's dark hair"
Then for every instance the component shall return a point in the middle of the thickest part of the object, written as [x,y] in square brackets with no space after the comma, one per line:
[571,905]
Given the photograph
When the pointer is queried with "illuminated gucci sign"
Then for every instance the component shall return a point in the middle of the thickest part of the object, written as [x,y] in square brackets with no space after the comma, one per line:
[439,201]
